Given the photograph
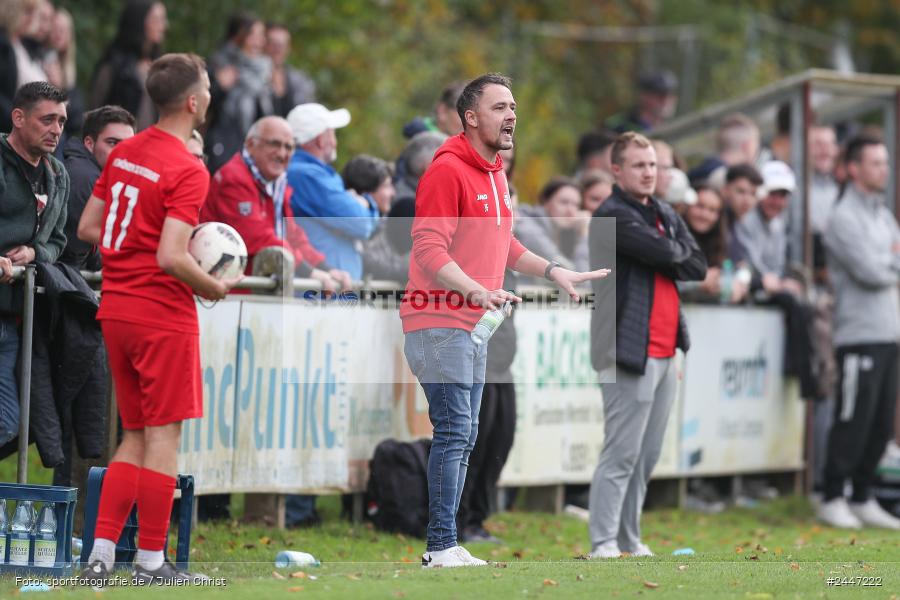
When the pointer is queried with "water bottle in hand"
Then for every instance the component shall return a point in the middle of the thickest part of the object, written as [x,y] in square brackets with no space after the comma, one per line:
[490,322]
[726,282]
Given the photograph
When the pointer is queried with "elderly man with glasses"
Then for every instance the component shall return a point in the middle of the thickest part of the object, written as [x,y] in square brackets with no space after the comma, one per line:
[250,193]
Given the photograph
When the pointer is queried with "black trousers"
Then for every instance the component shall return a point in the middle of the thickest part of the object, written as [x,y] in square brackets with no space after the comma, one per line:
[798,354]
[863,417]
[496,429]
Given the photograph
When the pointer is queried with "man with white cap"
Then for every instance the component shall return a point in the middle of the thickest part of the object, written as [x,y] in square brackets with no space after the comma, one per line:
[763,233]
[334,218]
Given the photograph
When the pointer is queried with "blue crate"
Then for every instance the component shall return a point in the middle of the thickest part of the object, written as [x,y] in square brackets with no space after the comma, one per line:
[64,499]
[126,547]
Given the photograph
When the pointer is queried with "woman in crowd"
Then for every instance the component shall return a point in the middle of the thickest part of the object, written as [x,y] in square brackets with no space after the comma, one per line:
[704,219]
[241,78]
[596,186]
[119,78]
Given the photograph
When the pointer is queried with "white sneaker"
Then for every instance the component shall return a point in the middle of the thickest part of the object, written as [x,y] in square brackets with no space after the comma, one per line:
[608,549]
[836,513]
[642,549]
[872,515]
[477,562]
[890,460]
[457,556]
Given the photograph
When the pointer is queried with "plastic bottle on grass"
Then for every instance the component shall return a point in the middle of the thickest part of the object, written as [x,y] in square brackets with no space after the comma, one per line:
[45,537]
[293,558]
[20,533]
[490,322]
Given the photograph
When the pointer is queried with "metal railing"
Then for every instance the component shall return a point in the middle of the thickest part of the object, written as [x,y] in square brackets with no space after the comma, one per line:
[26,275]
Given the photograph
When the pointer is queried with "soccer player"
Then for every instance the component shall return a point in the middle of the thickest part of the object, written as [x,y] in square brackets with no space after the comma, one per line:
[142,212]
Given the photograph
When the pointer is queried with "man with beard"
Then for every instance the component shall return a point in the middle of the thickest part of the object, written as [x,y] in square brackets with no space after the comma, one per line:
[462,244]
[144,208]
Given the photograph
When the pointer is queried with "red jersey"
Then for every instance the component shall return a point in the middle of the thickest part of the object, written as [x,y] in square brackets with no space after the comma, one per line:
[147,178]
[663,315]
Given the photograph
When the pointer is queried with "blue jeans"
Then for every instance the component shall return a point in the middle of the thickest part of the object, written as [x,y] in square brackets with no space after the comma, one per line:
[450,368]
[9,385]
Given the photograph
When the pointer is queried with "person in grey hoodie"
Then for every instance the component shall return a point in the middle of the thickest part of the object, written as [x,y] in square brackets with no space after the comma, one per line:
[862,242]
[556,227]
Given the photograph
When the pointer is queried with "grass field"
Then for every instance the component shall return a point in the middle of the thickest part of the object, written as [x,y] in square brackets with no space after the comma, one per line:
[773,551]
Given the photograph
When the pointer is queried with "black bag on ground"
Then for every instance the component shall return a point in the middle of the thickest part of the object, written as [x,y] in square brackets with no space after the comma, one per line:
[397,494]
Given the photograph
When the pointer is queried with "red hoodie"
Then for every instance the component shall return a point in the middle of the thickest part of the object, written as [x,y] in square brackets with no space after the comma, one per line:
[463,214]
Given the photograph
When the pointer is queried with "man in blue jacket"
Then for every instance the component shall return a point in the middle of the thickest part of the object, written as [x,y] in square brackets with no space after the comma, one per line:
[335,220]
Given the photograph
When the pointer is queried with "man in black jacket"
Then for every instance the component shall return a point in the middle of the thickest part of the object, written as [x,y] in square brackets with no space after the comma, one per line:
[104,127]
[653,249]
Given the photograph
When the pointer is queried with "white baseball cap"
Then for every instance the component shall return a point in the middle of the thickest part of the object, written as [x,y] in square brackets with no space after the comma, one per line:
[777,176]
[680,191]
[309,120]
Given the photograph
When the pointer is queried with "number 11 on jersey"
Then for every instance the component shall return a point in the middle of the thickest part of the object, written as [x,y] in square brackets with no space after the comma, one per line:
[131,193]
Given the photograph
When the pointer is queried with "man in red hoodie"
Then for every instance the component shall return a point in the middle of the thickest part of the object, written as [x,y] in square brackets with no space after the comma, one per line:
[462,243]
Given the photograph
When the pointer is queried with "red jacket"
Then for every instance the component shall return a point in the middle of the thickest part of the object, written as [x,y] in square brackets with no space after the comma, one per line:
[237,199]
[463,214]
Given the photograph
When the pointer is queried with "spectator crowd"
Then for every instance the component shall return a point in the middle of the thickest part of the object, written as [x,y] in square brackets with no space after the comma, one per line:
[271,151]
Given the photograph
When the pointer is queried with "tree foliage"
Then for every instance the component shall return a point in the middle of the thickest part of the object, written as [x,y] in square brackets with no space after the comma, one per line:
[387,60]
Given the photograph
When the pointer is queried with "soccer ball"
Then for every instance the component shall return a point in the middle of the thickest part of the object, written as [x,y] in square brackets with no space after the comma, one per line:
[218,249]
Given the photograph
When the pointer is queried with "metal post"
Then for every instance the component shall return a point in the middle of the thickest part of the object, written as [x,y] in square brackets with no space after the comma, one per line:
[25,374]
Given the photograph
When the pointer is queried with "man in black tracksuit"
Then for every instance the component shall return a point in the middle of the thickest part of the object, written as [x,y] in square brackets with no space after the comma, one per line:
[653,249]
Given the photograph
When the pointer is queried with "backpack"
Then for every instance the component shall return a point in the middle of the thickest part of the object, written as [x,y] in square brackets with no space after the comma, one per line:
[397,492]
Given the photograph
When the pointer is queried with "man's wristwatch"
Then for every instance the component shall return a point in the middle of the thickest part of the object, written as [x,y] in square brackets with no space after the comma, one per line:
[553,264]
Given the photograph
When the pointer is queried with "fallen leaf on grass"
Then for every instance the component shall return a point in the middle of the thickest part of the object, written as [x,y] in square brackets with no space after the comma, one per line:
[265,540]
[650,584]
[296,588]
[399,594]
[853,541]
[778,551]
[579,578]
[795,566]
[249,546]
[550,582]
[518,554]
[406,559]
[753,557]
[353,577]
[298,575]
[682,567]
[277,575]
[501,565]
[497,575]
[738,550]
[199,539]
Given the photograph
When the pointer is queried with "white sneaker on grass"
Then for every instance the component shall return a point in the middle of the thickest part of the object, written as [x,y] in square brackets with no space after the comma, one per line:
[608,549]
[836,513]
[457,556]
[642,549]
[872,515]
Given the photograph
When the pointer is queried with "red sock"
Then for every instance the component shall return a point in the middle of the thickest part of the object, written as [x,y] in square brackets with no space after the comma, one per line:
[120,486]
[154,500]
